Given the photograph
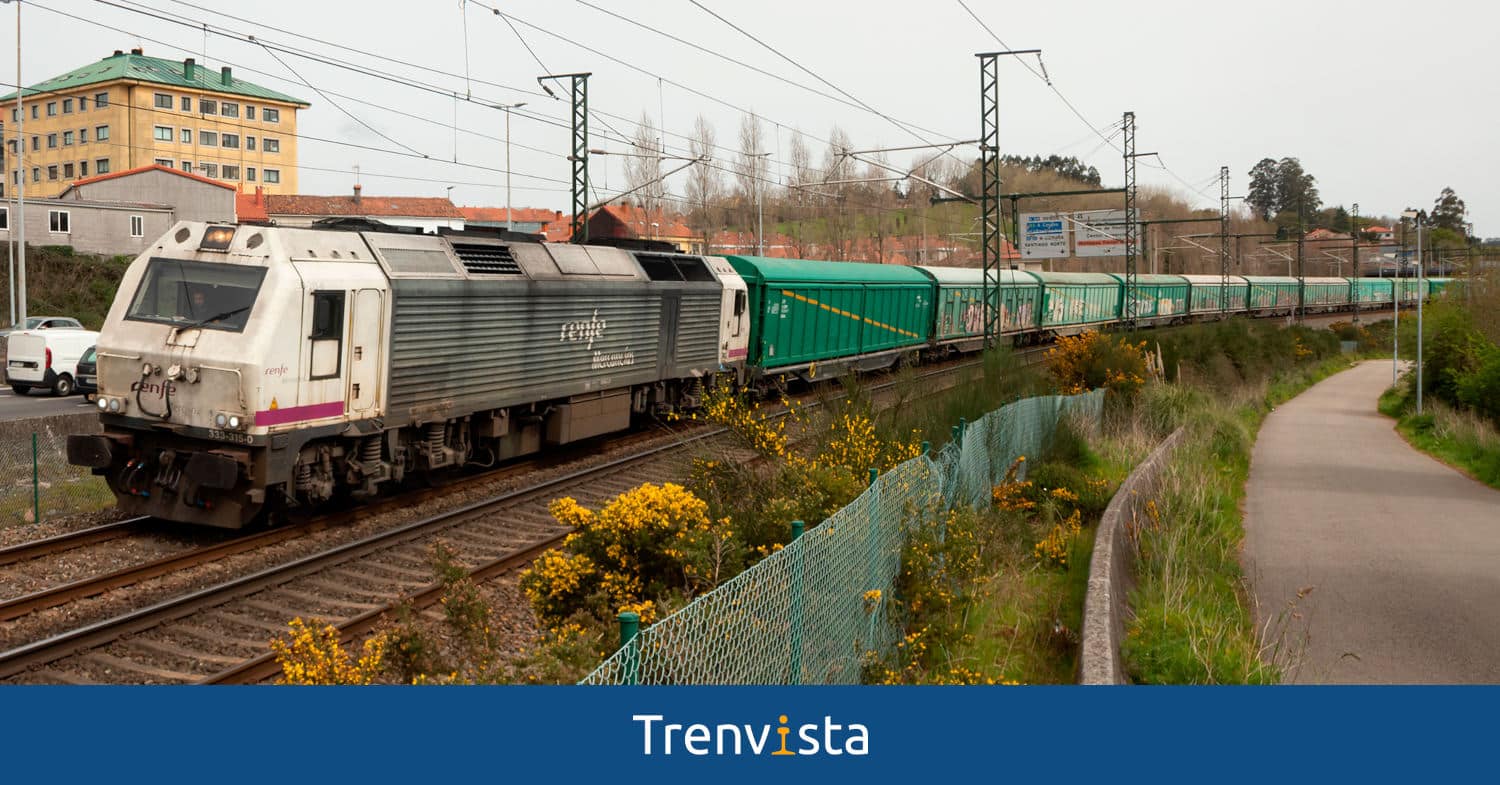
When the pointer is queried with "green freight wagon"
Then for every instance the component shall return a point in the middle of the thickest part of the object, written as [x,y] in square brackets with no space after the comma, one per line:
[1157,297]
[960,302]
[1406,288]
[1373,291]
[815,318]
[1206,298]
[1272,293]
[1436,286]
[1326,294]
[1077,299]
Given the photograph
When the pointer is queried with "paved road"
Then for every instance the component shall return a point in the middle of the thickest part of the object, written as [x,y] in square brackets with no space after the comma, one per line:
[1397,554]
[38,404]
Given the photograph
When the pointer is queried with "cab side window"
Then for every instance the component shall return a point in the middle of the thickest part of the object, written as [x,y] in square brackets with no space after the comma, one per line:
[326,334]
[739,311]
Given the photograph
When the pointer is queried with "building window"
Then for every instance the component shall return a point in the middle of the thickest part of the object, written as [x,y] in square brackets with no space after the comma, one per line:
[15,115]
[4,217]
[249,111]
[36,174]
[83,103]
[83,136]
[209,170]
[187,136]
[51,108]
[187,166]
[230,172]
[83,168]
[187,104]
[52,172]
[270,115]
[208,138]
[206,106]
[51,141]
[167,162]
[67,105]
[101,166]
[229,110]
[36,143]
[163,101]
[249,143]
[229,140]
[101,100]
[270,145]
[250,174]
[67,138]
[33,111]
[137,226]
[67,171]
[162,133]
[14,147]
[272,175]
[101,133]
[59,221]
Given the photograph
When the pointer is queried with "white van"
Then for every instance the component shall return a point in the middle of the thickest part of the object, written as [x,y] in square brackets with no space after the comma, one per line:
[46,359]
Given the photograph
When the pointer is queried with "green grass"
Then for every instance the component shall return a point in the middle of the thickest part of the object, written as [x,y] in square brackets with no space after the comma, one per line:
[1458,438]
[1193,623]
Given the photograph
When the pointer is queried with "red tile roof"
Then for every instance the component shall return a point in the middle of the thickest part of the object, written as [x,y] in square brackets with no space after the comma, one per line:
[413,206]
[251,206]
[522,214]
[636,222]
[139,169]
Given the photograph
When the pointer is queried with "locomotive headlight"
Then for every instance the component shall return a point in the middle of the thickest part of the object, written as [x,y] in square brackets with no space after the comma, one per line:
[103,404]
[221,419]
[115,405]
[234,421]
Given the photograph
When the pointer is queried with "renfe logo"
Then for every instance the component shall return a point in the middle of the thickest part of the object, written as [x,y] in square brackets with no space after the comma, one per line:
[727,739]
[582,331]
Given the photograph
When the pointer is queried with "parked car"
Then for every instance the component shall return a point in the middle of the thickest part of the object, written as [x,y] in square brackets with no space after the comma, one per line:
[34,323]
[46,359]
[87,380]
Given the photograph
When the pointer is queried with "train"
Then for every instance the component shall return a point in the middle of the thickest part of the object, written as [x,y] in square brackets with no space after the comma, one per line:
[247,369]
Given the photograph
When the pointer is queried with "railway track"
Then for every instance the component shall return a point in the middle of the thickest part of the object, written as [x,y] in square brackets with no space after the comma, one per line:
[219,634]
[63,543]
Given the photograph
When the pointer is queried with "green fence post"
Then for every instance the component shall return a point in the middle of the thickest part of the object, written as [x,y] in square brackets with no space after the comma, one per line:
[630,624]
[956,436]
[874,473]
[36,484]
[963,425]
[794,675]
[926,448]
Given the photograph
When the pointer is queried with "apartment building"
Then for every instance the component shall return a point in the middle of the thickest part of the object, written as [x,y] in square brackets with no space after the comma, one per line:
[130,110]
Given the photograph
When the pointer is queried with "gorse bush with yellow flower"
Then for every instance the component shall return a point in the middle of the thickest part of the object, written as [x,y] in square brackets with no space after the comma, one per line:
[1090,360]
[646,542]
[310,653]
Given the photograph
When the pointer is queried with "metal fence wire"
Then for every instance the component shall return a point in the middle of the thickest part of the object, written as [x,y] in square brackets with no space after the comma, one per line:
[803,614]
[37,483]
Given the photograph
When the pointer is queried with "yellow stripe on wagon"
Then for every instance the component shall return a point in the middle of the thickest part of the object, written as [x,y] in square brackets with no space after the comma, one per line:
[854,316]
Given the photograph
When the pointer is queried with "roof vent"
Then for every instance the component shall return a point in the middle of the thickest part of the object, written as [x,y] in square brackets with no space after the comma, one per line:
[225,76]
[486,259]
[137,51]
[189,68]
[117,53]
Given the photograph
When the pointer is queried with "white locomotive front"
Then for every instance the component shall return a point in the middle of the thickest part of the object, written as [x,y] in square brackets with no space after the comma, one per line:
[252,368]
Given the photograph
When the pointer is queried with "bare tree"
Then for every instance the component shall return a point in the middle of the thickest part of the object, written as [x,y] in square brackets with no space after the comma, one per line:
[838,168]
[750,171]
[643,166]
[800,198]
[704,187]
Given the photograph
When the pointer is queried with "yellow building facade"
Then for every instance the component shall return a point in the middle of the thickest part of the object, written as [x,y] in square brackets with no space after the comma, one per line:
[130,110]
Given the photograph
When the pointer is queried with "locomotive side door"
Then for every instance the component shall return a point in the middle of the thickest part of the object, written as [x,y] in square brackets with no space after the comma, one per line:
[366,337]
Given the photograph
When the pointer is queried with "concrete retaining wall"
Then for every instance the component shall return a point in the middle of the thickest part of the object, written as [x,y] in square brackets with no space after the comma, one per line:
[16,431]
[1111,571]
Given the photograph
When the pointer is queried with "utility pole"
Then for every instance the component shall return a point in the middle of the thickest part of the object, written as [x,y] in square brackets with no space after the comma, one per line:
[1301,262]
[1358,279]
[990,220]
[1132,230]
[579,83]
[510,224]
[20,271]
[1223,238]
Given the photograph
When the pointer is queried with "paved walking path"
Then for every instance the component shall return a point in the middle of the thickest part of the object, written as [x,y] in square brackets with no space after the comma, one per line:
[1398,555]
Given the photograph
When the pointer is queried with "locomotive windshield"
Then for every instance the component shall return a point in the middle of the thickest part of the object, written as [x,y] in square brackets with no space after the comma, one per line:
[196,294]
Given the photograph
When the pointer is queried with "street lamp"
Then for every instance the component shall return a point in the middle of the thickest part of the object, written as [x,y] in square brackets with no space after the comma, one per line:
[510,225]
[18,278]
[1418,217]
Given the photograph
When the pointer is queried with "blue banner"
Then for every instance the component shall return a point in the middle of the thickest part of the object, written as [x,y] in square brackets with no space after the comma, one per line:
[762,735]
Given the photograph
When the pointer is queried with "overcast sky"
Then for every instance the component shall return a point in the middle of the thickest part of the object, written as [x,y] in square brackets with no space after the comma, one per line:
[1385,103]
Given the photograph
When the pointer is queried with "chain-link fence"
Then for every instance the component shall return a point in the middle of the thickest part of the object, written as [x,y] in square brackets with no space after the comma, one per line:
[36,481]
[810,613]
